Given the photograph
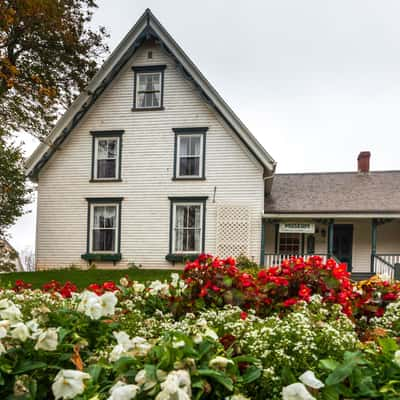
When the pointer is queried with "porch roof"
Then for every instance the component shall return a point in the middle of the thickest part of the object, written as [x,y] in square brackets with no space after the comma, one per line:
[376,193]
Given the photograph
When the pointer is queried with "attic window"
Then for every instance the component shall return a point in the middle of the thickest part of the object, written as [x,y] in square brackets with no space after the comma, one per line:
[149,86]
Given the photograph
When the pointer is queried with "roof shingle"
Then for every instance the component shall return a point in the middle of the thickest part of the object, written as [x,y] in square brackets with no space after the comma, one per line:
[335,192]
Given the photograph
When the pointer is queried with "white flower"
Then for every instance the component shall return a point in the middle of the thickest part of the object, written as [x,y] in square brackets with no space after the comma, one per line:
[159,287]
[147,382]
[4,303]
[174,279]
[108,302]
[296,391]
[33,326]
[178,345]
[124,282]
[220,362]
[176,386]
[138,287]
[95,306]
[310,380]
[68,384]
[237,397]
[396,358]
[12,313]
[122,391]
[4,325]
[128,347]
[20,331]
[47,340]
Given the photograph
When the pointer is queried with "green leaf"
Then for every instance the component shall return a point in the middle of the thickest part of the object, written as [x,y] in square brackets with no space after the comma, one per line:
[252,373]
[26,366]
[330,393]
[94,371]
[218,377]
[328,364]
[288,376]
[340,374]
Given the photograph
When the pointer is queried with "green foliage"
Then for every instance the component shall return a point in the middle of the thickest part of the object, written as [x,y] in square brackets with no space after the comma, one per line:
[373,373]
[48,53]
[13,194]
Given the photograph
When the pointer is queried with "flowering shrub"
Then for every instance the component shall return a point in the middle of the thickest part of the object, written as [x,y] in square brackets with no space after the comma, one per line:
[287,332]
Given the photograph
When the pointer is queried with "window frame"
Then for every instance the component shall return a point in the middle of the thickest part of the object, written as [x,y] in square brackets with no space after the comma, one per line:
[96,136]
[182,132]
[148,69]
[103,202]
[187,201]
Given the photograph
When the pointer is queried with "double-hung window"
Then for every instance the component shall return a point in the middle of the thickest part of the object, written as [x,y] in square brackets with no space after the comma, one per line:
[190,153]
[187,225]
[104,228]
[106,164]
[149,86]
[290,243]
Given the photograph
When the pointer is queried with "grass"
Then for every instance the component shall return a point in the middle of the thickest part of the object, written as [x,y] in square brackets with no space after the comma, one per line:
[83,278]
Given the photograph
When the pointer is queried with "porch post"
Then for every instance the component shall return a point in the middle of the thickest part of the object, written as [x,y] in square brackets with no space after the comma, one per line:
[262,252]
[374,224]
[330,238]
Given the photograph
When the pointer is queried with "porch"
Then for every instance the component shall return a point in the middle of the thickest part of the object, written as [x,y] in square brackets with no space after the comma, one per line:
[367,245]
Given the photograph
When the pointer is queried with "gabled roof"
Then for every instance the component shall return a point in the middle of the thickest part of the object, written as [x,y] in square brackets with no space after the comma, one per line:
[145,28]
[376,192]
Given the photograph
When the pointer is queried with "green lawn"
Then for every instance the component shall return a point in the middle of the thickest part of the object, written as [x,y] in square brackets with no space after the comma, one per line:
[82,278]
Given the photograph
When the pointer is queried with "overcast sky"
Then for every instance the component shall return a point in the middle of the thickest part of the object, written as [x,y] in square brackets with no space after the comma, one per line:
[316,81]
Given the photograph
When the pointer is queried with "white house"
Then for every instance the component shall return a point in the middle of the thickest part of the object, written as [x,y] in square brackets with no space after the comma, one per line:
[150,165]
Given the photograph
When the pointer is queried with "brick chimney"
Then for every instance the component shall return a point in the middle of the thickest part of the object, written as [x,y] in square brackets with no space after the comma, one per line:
[363,161]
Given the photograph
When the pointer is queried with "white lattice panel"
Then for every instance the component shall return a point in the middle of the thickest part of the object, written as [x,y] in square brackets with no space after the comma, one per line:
[233,231]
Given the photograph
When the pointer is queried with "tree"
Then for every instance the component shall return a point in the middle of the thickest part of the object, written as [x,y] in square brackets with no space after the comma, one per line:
[13,193]
[48,53]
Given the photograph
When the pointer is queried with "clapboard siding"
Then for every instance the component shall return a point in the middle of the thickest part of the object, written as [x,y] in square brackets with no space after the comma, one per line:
[147,170]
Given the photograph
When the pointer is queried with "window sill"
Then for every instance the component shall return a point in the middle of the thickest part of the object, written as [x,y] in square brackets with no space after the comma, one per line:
[189,178]
[181,257]
[106,180]
[101,257]
[148,109]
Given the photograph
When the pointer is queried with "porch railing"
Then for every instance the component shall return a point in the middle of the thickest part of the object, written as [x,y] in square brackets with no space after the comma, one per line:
[272,259]
[384,264]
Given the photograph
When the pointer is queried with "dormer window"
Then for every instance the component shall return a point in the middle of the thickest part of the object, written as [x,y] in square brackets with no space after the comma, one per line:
[149,86]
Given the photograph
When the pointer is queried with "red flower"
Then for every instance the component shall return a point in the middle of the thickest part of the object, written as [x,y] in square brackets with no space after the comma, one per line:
[110,286]
[94,287]
[243,315]
[203,292]
[289,302]
[304,292]
[379,312]
[389,296]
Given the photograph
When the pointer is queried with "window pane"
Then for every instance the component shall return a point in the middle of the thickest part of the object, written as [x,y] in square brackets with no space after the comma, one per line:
[184,145]
[290,243]
[104,240]
[187,228]
[109,217]
[106,169]
[102,149]
[189,166]
[112,148]
[195,145]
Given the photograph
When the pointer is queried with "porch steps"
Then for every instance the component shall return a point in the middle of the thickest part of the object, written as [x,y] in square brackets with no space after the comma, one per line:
[361,276]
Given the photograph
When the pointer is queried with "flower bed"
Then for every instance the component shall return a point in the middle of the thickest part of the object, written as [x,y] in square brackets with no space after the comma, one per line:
[297,331]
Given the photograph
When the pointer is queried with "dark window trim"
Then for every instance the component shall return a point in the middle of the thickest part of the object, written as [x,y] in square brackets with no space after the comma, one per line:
[112,133]
[148,68]
[99,256]
[173,257]
[190,131]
